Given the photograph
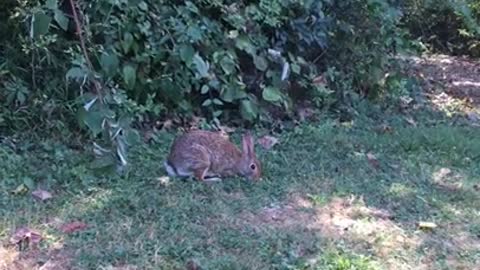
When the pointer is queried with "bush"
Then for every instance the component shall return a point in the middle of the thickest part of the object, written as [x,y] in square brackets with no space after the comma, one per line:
[227,60]
[445,25]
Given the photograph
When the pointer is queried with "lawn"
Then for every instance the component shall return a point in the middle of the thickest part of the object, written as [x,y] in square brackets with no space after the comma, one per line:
[333,196]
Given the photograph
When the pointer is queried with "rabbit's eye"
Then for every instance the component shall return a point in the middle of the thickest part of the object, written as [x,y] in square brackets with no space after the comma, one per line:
[253,167]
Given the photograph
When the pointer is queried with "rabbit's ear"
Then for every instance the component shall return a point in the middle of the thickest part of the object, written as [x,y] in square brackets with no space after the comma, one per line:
[248,145]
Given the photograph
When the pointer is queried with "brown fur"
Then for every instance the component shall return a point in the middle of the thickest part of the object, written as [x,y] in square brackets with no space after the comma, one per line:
[210,154]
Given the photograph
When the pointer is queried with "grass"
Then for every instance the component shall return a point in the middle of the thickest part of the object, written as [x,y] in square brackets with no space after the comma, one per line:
[322,205]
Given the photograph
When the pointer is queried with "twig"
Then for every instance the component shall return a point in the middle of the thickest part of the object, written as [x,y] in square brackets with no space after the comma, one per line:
[97,85]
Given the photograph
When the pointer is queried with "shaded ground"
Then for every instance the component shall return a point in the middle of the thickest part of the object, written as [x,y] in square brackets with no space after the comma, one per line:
[334,196]
[450,82]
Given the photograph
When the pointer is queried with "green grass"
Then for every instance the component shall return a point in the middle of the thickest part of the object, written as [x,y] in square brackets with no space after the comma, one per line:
[139,221]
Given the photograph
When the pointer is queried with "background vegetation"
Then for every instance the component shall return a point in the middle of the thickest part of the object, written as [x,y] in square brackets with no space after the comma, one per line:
[239,61]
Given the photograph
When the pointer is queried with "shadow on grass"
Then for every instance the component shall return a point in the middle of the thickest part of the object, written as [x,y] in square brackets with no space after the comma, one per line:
[321,196]
[322,204]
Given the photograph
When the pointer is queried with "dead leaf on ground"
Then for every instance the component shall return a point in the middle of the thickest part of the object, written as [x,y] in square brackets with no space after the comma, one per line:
[427,225]
[167,124]
[73,227]
[21,189]
[268,142]
[372,159]
[42,195]
[193,265]
[305,113]
[411,121]
[25,234]
[384,129]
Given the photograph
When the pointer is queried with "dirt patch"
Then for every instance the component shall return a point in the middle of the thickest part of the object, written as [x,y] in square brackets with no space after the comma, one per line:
[34,259]
[459,77]
[339,219]
[366,229]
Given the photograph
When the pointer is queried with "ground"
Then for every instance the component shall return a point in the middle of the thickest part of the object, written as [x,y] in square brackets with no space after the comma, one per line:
[396,190]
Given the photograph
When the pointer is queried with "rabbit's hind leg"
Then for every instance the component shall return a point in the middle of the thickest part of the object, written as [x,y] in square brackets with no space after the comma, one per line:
[200,173]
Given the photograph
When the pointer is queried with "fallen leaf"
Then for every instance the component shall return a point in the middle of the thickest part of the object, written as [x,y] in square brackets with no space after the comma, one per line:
[384,129]
[411,121]
[305,113]
[427,225]
[73,227]
[25,234]
[21,189]
[41,195]
[193,265]
[164,180]
[372,159]
[168,124]
[319,80]
[148,136]
[268,142]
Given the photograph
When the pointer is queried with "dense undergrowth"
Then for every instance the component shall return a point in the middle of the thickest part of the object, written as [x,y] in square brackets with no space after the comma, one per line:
[243,62]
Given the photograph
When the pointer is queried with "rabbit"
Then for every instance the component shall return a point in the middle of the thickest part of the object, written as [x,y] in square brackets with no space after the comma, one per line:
[209,156]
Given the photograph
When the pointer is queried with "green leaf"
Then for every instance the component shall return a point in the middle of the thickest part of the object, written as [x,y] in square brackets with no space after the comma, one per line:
[51,4]
[21,98]
[194,33]
[109,63]
[271,94]
[228,65]
[248,110]
[186,53]
[132,137]
[204,89]
[201,66]
[127,42]
[40,24]
[102,162]
[76,73]
[207,103]
[29,183]
[61,19]
[260,63]
[243,43]
[296,68]
[231,93]
[217,101]
[129,76]
[133,3]
[92,119]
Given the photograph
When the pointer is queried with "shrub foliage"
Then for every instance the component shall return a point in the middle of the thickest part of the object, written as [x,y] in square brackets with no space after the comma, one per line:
[138,60]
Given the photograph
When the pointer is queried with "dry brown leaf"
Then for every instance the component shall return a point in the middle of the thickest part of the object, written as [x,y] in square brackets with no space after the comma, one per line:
[41,195]
[73,227]
[372,159]
[305,113]
[384,129]
[193,265]
[267,142]
[25,234]
[319,80]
